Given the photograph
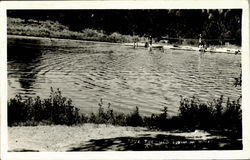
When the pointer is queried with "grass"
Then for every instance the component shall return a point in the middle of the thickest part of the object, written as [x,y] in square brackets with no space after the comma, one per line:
[217,115]
[17,26]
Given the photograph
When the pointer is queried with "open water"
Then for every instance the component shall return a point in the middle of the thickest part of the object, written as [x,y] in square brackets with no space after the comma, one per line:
[125,77]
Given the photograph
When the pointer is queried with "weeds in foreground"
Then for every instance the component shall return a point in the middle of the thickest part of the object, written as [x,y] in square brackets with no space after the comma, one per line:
[54,110]
[212,115]
[193,114]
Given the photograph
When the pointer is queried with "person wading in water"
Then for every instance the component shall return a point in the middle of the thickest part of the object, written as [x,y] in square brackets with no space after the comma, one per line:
[201,45]
[150,43]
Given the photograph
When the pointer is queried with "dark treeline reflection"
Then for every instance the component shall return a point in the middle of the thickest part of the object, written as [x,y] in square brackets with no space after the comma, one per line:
[212,23]
[26,54]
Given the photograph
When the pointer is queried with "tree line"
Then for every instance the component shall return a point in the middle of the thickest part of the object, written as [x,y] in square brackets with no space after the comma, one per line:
[214,24]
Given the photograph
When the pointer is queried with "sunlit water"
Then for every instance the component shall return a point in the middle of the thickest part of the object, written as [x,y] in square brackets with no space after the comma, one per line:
[120,75]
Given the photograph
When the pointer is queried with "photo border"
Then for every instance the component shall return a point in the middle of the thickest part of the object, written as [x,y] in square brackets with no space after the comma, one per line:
[150,4]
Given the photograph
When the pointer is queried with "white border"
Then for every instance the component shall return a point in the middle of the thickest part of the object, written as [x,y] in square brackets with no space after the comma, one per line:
[128,4]
[170,4]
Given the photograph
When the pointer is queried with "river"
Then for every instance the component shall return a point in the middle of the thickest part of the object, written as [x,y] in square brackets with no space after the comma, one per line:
[125,77]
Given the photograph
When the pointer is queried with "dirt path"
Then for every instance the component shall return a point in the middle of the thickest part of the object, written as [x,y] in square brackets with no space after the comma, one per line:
[93,137]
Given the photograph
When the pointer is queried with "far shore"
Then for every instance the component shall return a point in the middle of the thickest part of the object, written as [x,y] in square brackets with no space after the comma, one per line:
[53,30]
[212,49]
[14,36]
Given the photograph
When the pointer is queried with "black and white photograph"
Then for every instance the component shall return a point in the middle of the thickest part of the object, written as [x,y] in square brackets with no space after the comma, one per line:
[140,79]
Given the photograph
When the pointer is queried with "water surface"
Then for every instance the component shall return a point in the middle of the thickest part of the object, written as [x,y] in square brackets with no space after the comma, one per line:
[120,75]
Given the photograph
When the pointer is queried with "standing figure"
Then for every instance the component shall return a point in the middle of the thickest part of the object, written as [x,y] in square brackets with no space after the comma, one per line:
[150,43]
[201,44]
[135,41]
[199,39]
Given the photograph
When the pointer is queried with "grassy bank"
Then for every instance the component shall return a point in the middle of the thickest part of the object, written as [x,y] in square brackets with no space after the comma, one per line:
[218,115]
[17,26]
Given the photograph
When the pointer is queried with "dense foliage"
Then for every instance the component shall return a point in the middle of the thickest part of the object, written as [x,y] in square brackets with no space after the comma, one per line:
[211,115]
[51,29]
[54,110]
[215,25]
[217,115]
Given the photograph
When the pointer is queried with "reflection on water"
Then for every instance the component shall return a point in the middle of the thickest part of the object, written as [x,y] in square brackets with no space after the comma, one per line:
[25,58]
[121,75]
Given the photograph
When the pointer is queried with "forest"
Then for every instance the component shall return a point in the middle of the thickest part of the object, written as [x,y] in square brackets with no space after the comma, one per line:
[215,25]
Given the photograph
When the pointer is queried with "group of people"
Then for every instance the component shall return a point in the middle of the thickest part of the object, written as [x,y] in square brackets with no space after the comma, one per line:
[148,44]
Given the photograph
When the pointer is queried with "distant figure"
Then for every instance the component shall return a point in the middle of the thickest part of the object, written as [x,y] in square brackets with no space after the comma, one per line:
[135,42]
[201,45]
[200,42]
[150,40]
[150,43]
[162,48]
[199,39]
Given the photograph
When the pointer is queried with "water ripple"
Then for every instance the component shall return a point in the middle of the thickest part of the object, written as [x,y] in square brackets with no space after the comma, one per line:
[123,76]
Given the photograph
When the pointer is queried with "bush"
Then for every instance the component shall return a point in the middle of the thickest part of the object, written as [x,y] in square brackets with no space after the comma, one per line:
[160,121]
[108,116]
[134,119]
[17,110]
[54,110]
[232,117]
[196,115]
[193,114]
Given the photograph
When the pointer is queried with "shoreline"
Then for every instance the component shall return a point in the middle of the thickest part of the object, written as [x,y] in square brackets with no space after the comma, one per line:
[214,49]
[56,30]
[56,38]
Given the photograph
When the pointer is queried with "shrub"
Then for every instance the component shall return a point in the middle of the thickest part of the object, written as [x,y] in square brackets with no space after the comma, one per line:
[120,119]
[17,110]
[196,115]
[54,110]
[134,119]
[232,117]
[193,114]
[105,116]
[108,116]
[160,121]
